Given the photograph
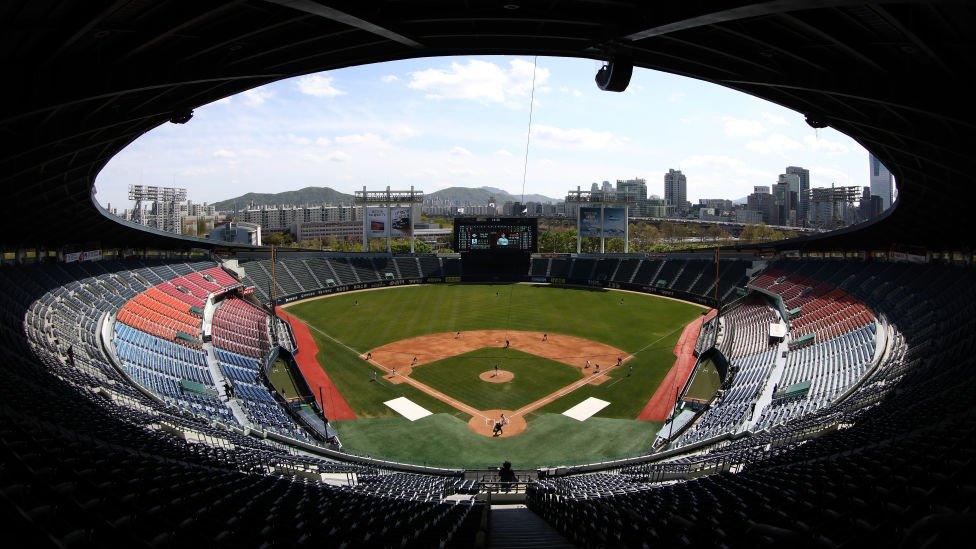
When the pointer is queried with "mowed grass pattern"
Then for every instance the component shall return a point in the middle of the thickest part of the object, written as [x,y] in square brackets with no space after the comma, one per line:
[535,377]
[636,323]
[443,440]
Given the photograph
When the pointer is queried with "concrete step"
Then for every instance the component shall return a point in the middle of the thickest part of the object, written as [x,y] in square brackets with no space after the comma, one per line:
[517,527]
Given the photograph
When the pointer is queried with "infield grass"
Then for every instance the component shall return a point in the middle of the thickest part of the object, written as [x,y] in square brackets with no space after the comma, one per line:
[347,325]
[535,377]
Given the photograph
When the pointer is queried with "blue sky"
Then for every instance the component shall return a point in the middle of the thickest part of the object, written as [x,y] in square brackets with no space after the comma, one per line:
[461,121]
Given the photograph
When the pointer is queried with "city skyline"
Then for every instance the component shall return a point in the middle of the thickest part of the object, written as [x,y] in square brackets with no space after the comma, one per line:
[441,122]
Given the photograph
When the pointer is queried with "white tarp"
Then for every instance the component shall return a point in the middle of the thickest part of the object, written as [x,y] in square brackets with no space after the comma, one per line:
[407,408]
[585,409]
[777,329]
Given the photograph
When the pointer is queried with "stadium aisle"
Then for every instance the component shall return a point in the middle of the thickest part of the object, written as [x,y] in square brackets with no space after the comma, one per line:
[514,526]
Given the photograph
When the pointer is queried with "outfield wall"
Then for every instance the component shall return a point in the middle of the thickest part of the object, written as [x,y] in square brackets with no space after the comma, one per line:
[328,290]
[643,288]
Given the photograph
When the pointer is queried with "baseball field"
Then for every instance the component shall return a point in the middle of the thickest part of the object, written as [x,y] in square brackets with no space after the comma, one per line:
[468,353]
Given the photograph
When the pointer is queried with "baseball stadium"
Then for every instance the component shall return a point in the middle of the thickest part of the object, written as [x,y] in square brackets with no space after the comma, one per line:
[170,391]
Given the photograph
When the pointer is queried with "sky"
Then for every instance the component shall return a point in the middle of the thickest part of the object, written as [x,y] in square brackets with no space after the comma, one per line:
[461,121]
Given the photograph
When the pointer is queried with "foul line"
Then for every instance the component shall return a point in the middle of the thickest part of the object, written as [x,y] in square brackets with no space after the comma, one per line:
[452,402]
[531,407]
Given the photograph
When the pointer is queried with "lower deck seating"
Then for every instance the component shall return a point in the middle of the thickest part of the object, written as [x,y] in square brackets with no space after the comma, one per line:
[889,465]
[89,460]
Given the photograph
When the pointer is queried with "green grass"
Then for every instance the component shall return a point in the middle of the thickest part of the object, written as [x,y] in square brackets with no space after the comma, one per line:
[643,324]
[535,377]
[354,378]
[384,316]
[444,440]
[705,382]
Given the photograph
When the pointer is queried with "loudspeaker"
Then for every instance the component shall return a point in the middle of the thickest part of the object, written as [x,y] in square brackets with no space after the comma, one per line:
[615,75]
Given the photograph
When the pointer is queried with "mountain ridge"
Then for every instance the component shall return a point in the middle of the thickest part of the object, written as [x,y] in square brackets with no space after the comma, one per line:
[318,195]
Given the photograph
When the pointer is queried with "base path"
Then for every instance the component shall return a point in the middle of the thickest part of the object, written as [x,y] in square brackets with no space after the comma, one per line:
[661,404]
[403,356]
[335,406]
[571,350]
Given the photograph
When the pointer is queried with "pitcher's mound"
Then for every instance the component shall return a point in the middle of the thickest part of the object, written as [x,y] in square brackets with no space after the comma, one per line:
[501,376]
[483,426]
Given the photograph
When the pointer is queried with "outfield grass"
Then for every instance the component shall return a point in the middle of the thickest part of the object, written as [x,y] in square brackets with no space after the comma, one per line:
[444,440]
[535,377]
[643,325]
[705,382]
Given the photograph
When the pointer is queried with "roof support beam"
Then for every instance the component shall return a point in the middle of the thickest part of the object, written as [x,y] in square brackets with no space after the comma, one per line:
[308,6]
[734,14]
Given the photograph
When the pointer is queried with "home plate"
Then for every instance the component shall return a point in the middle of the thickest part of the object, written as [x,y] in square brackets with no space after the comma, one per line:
[408,409]
[585,409]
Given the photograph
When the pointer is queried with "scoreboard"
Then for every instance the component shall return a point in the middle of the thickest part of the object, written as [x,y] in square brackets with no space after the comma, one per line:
[496,234]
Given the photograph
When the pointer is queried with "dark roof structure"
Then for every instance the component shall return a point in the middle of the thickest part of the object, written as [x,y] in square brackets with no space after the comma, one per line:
[86,78]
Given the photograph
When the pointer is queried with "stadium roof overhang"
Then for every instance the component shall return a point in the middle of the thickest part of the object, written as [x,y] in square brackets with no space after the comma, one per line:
[84,79]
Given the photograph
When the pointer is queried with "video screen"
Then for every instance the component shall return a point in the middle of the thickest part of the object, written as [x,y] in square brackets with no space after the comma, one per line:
[495,234]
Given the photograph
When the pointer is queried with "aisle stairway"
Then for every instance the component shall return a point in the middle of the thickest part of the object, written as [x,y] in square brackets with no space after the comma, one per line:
[515,526]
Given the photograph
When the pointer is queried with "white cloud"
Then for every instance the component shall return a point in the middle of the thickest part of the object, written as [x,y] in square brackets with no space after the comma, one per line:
[224,153]
[256,97]
[821,145]
[197,171]
[368,139]
[318,86]
[298,140]
[676,96]
[776,143]
[323,141]
[255,153]
[739,127]
[478,80]
[460,151]
[502,152]
[774,119]
[332,156]
[389,78]
[402,131]
[574,138]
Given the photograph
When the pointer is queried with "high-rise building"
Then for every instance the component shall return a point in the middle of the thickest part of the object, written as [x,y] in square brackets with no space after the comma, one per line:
[832,207]
[162,208]
[595,187]
[721,204]
[760,202]
[656,207]
[882,182]
[870,206]
[638,188]
[787,199]
[607,187]
[803,207]
[676,191]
